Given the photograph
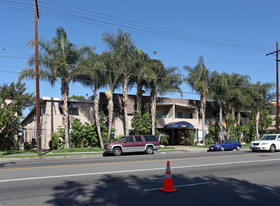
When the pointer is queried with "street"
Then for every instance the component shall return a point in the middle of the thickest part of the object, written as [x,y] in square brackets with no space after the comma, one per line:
[213,178]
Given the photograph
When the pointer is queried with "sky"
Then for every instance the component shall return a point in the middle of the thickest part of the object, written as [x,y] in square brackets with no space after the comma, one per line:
[232,36]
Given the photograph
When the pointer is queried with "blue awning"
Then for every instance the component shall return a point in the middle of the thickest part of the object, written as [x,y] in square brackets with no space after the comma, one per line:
[182,124]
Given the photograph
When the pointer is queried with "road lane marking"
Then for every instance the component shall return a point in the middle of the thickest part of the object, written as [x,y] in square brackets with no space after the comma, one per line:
[188,185]
[131,171]
[134,162]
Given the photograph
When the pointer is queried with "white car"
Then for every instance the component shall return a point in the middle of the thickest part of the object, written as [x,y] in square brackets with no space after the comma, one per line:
[270,142]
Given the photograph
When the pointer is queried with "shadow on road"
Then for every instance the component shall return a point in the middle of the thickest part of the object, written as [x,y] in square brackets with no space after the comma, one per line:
[116,190]
[6,163]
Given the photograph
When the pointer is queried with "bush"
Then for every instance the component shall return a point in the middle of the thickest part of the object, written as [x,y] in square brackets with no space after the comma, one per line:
[57,139]
[163,138]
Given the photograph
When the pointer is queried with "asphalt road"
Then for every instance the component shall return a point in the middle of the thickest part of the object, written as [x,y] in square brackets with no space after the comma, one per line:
[213,178]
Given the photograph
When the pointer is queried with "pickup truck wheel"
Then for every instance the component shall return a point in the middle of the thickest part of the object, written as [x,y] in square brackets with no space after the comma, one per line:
[272,148]
[237,147]
[149,150]
[117,151]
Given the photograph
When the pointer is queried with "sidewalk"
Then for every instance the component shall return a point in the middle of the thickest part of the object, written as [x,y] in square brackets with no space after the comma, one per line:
[178,149]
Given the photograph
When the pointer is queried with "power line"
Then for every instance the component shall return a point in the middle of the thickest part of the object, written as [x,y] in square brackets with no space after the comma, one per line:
[136,26]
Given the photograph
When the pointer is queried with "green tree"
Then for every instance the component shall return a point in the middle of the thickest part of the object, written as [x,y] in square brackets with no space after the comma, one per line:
[160,81]
[141,62]
[58,59]
[260,97]
[198,79]
[122,49]
[77,97]
[91,73]
[219,88]
[237,97]
[113,74]
[13,99]
[141,123]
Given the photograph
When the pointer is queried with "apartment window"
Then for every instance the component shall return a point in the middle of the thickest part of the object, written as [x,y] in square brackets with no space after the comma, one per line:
[191,115]
[178,115]
[73,111]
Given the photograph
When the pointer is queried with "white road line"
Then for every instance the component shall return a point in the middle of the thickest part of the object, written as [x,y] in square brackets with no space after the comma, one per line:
[139,170]
[188,185]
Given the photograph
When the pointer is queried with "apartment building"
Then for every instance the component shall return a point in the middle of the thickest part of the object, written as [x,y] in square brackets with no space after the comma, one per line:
[174,116]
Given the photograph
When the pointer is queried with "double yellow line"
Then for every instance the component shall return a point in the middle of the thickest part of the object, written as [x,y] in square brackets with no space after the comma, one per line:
[134,162]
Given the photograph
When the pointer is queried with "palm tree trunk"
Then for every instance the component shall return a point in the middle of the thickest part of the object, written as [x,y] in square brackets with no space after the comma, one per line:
[238,117]
[203,109]
[153,110]
[125,101]
[139,97]
[257,123]
[110,114]
[96,116]
[233,115]
[65,95]
[221,122]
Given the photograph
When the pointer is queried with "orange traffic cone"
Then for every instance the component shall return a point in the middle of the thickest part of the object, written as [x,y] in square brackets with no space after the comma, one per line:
[168,184]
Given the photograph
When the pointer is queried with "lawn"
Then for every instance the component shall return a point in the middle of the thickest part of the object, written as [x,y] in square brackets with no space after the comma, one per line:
[83,149]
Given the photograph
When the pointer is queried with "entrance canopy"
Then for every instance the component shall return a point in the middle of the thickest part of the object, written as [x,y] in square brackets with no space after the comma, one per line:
[179,125]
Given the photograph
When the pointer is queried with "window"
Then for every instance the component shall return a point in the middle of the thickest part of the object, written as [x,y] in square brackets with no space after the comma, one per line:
[73,111]
[191,115]
[129,139]
[151,138]
[179,115]
[138,139]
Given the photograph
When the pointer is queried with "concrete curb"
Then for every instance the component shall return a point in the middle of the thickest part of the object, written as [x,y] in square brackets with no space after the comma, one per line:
[98,154]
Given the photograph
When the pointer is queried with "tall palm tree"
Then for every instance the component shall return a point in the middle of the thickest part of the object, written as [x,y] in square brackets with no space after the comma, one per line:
[160,80]
[113,74]
[122,48]
[219,88]
[260,97]
[57,59]
[198,78]
[140,63]
[90,72]
[236,95]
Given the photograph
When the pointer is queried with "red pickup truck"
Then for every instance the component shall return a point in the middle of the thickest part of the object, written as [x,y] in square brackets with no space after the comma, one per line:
[133,143]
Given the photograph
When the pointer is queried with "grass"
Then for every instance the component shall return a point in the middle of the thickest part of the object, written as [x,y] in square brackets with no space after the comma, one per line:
[163,148]
[14,152]
[84,149]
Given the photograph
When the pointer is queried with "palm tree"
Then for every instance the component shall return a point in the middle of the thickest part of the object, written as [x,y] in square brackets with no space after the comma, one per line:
[57,59]
[219,89]
[113,76]
[90,72]
[141,62]
[260,97]
[236,94]
[160,80]
[198,78]
[122,48]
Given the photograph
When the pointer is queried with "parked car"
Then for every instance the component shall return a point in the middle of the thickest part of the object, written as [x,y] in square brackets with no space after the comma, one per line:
[133,143]
[228,144]
[270,142]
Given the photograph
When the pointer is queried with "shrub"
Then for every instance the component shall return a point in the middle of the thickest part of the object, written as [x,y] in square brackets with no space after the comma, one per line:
[57,139]
[163,138]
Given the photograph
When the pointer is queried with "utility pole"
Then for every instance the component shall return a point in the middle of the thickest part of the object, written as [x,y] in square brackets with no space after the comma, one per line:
[277,85]
[36,15]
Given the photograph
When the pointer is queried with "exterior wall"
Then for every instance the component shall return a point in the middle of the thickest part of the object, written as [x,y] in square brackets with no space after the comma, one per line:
[51,119]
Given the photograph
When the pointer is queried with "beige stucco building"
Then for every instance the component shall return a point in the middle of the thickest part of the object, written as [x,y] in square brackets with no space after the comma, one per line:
[169,110]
